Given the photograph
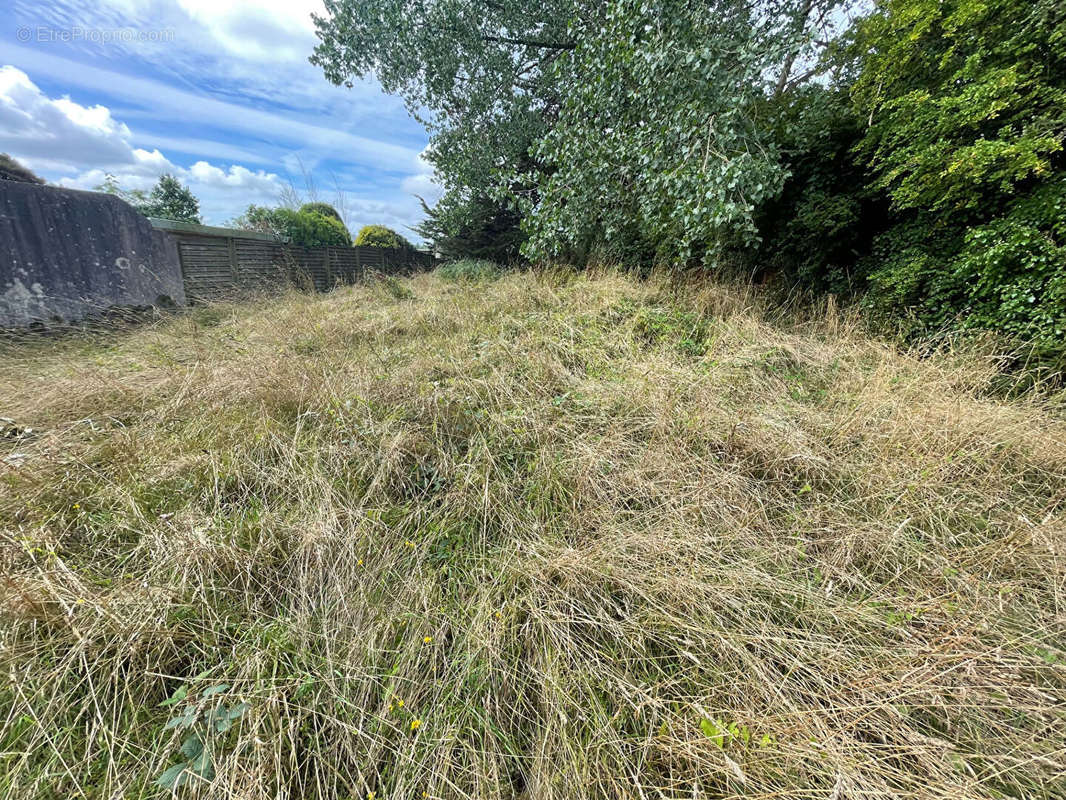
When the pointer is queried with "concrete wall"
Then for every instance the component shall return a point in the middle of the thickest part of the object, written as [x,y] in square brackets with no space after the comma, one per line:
[66,254]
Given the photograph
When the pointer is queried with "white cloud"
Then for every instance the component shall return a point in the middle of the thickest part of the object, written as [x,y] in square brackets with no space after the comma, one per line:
[63,136]
[237,177]
[223,193]
[169,103]
[59,130]
[191,145]
[423,183]
[259,30]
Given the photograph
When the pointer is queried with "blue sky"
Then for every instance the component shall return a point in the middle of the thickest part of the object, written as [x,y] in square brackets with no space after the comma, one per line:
[218,92]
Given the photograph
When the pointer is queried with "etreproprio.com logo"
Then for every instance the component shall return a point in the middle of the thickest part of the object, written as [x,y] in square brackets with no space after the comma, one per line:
[45,33]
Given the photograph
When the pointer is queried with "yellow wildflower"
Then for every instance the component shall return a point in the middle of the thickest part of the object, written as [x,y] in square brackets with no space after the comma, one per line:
[416,724]
[427,639]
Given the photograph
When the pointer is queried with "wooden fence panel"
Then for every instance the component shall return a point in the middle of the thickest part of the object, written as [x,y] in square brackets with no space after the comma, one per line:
[345,265]
[218,263]
[311,264]
[205,267]
[259,264]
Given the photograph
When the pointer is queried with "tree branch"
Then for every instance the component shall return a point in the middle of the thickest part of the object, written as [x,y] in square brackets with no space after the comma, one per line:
[541,43]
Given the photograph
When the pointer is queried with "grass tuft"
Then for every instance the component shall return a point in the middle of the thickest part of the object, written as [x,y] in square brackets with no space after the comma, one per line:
[471,270]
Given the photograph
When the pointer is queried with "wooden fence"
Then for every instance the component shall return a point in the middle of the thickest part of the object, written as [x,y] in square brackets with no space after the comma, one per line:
[216,263]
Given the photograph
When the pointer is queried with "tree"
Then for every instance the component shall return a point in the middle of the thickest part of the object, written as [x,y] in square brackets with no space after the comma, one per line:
[475,73]
[615,123]
[964,105]
[171,199]
[819,230]
[326,210]
[467,225]
[260,219]
[379,236]
[311,229]
[11,170]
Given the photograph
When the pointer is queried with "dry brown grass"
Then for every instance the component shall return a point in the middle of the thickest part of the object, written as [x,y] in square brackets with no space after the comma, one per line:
[602,538]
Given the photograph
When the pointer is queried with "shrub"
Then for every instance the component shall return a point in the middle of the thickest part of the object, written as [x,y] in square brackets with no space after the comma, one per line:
[260,219]
[824,220]
[469,269]
[311,229]
[379,236]
[325,209]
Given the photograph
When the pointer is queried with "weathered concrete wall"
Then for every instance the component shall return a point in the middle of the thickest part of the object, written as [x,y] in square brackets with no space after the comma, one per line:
[65,254]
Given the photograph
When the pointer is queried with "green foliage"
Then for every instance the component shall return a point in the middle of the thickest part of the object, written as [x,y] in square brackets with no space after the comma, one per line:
[470,270]
[169,198]
[965,99]
[328,211]
[260,219]
[476,74]
[966,104]
[325,209]
[822,224]
[656,144]
[614,125]
[304,227]
[379,236]
[311,229]
[205,721]
[477,226]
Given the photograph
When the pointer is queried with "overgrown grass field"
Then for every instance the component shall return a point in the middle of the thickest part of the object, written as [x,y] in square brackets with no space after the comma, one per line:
[533,537]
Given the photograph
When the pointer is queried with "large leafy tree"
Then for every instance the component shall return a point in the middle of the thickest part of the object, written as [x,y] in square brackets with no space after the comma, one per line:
[964,105]
[475,73]
[608,122]
[658,140]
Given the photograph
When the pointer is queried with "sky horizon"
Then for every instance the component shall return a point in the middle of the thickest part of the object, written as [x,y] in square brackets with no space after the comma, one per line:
[217,92]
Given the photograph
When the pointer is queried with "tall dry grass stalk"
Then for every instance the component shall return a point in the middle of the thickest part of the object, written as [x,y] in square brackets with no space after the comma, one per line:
[603,539]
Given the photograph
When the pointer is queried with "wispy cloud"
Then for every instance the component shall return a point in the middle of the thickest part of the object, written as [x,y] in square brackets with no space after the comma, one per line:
[229,88]
[169,103]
